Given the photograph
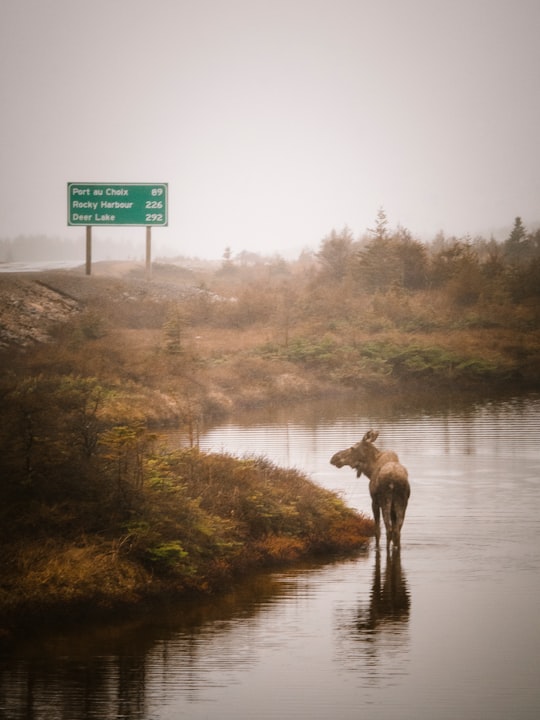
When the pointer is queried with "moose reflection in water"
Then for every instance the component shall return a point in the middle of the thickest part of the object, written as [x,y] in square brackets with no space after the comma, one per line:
[388,484]
[375,633]
[390,600]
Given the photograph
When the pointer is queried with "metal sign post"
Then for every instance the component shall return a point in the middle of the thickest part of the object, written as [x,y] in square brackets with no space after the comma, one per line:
[148,252]
[88,249]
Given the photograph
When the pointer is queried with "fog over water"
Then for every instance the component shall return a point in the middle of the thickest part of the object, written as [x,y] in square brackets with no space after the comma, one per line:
[272,122]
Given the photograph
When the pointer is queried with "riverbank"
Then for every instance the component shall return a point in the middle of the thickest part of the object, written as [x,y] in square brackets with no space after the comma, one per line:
[191,523]
[95,518]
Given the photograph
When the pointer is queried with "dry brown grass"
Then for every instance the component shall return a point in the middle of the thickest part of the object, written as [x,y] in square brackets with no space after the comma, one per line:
[198,521]
[55,573]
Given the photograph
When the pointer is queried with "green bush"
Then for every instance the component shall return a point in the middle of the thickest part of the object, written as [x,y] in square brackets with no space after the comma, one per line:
[311,351]
[167,555]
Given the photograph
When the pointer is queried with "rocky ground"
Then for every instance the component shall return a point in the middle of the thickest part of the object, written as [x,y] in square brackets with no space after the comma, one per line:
[28,308]
[31,303]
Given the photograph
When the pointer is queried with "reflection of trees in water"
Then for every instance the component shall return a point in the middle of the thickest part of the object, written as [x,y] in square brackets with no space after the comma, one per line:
[74,688]
[124,670]
[118,678]
[372,634]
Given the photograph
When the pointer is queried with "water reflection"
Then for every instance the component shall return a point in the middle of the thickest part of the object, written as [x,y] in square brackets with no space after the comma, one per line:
[128,669]
[389,603]
[356,638]
[374,631]
[71,687]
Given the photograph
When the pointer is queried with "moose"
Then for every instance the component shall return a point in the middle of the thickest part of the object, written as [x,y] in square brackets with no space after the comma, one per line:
[388,484]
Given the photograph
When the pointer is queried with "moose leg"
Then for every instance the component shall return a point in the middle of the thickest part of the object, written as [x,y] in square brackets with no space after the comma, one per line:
[386,508]
[400,506]
[377,517]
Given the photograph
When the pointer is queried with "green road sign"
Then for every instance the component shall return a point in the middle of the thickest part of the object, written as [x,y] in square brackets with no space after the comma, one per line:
[117,204]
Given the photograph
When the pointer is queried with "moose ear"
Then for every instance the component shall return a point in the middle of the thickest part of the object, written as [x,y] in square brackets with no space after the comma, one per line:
[370,436]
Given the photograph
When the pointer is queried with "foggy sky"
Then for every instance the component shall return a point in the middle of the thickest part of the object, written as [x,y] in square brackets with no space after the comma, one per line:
[273,121]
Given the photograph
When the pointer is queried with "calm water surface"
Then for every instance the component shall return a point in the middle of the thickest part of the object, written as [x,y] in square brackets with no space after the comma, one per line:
[447,629]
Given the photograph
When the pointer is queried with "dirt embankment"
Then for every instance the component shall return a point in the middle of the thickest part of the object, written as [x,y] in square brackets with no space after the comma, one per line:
[32,303]
[126,314]
[28,308]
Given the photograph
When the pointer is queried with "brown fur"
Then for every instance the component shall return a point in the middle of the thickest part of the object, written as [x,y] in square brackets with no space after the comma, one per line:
[388,484]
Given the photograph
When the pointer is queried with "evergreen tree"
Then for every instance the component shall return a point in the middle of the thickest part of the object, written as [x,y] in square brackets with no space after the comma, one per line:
[336,254]
[518,246]
[380,231]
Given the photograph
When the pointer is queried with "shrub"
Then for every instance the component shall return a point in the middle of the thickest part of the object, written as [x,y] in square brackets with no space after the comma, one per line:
[311,351]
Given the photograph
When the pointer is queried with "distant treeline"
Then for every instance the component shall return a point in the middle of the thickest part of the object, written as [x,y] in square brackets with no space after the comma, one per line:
[337,251]
[472,267]
[25,248]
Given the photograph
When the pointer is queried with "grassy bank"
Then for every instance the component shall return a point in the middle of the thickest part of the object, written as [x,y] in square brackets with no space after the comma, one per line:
[183,523]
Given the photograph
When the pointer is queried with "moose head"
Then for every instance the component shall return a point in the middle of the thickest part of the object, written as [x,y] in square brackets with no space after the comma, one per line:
[360,456]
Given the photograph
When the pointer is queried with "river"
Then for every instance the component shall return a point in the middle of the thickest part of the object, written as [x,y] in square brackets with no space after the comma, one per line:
[446,629]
